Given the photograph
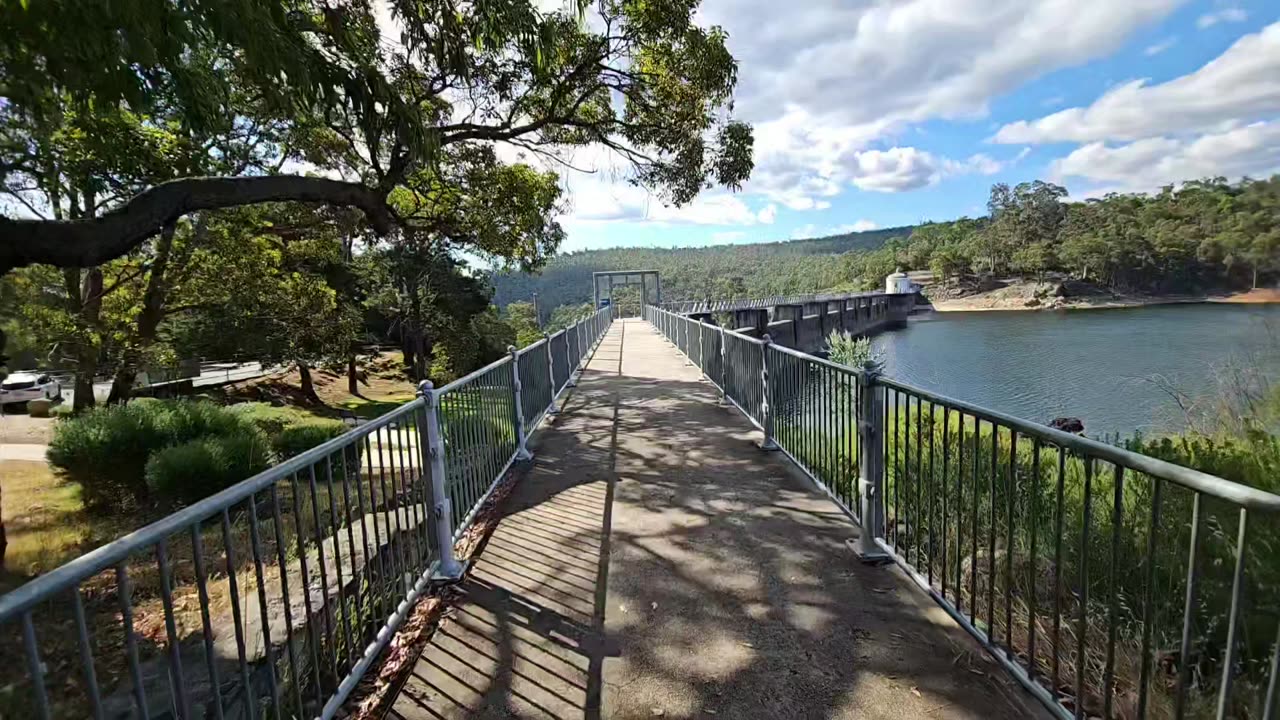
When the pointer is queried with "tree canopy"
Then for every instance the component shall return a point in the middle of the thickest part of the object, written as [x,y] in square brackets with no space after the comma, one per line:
[250,89]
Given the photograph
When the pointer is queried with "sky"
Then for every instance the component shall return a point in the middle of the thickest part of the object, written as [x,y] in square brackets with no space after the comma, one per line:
[879,113]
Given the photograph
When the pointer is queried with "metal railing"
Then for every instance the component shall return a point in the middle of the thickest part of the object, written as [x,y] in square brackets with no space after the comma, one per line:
[1109,583]
[273,597]
[713,306]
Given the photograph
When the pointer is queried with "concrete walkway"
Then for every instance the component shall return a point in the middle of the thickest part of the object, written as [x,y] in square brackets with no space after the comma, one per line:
[653,562]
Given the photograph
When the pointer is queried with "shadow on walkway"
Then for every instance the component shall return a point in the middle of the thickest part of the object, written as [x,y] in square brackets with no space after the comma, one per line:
[653,562]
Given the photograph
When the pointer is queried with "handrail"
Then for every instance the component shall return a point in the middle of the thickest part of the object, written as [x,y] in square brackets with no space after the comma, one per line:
[1212,485]
[956,521]
[414,476]
[64,576]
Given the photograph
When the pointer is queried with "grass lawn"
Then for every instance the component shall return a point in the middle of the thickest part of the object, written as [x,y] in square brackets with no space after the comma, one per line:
[43,520]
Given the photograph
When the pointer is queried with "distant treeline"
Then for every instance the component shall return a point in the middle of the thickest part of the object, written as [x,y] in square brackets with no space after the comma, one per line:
[720,271]
[1203,235]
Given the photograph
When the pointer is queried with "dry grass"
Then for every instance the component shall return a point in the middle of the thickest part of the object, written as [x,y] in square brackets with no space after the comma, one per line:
[43,518]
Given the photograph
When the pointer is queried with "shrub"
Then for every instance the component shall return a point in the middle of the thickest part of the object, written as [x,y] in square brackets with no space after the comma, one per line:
[297,439]
[196,469]
[270,418]
[106,450]
[845,349]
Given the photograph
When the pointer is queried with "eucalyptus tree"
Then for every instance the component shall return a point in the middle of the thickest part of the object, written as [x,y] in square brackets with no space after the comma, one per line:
[373,104]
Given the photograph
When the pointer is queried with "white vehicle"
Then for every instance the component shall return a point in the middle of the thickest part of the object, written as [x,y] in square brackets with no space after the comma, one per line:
[21,387]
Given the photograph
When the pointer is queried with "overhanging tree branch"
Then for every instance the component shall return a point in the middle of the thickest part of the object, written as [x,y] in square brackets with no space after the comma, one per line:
[93,241]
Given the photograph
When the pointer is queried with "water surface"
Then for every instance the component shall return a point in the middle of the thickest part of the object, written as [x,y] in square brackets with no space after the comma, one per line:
[1097,365]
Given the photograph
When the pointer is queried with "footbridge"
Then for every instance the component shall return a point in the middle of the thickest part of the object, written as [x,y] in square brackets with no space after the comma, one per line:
[663,517]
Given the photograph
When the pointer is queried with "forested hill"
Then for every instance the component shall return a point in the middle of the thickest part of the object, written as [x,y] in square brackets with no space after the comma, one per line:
[773,268]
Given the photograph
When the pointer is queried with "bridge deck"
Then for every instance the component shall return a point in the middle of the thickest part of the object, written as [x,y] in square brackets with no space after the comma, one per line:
[653,562]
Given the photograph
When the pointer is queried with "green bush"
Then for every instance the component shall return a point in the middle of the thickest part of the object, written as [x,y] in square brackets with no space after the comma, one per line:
[106,450]
[297,439]
[193,470]
[269,418]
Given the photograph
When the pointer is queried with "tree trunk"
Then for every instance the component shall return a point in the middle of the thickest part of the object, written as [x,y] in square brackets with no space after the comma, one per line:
[85,300]
[4,540]
[1255,276]
[148,320]
[308,385]
[353,381]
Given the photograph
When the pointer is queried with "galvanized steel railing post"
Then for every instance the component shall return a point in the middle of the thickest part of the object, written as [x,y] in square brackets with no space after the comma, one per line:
[447,569]
[724,363]
[870,465]
[766,401]
[702,349]
[551,373]
[522,436]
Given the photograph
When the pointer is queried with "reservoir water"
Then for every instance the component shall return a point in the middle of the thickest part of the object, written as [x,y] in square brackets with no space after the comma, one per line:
[1101,366]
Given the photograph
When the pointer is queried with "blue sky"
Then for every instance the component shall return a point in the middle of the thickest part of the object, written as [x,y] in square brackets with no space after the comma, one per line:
[876,114]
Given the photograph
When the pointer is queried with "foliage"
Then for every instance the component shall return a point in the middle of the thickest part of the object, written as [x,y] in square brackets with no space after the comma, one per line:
[106,450]
[715,272]
[298,438]
[568,315]
[520,317]
[844,348]
[131,457]
[196,469]
[1202,236]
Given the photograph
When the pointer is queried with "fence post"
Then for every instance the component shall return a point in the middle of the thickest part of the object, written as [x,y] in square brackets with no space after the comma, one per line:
[569,364]
[766,402]
[871,465]
[447,568]
[702,350]
[551,373]
[522,437]
[724,364]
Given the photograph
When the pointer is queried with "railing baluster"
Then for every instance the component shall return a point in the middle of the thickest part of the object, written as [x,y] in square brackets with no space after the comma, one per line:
[255,536]
[250,700]
[1233,619]
[35,668]
[86,655]
[1082,615]
[124,593]
[177,679]
[1188,610]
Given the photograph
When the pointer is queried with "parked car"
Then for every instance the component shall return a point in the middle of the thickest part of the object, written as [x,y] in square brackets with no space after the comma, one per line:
[22,387]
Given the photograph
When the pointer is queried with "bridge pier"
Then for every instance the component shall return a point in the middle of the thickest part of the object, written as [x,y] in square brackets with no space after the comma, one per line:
[751,321]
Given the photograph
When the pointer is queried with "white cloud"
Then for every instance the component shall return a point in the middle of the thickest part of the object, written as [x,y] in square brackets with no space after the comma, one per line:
[1150,163]
[893,170]
[1054,101]
[811,230]
[864,63]
[1225,15]
[598,201]
[1161,46]
[1241,85]
[825,79]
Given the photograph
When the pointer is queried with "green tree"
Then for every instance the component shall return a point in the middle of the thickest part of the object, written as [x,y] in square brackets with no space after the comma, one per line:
[522,320]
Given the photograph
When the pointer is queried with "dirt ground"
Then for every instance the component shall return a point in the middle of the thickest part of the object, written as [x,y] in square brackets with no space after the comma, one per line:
[383,385]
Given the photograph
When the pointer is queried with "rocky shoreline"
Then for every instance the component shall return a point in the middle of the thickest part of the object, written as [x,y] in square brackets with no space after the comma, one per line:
[1073,295]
